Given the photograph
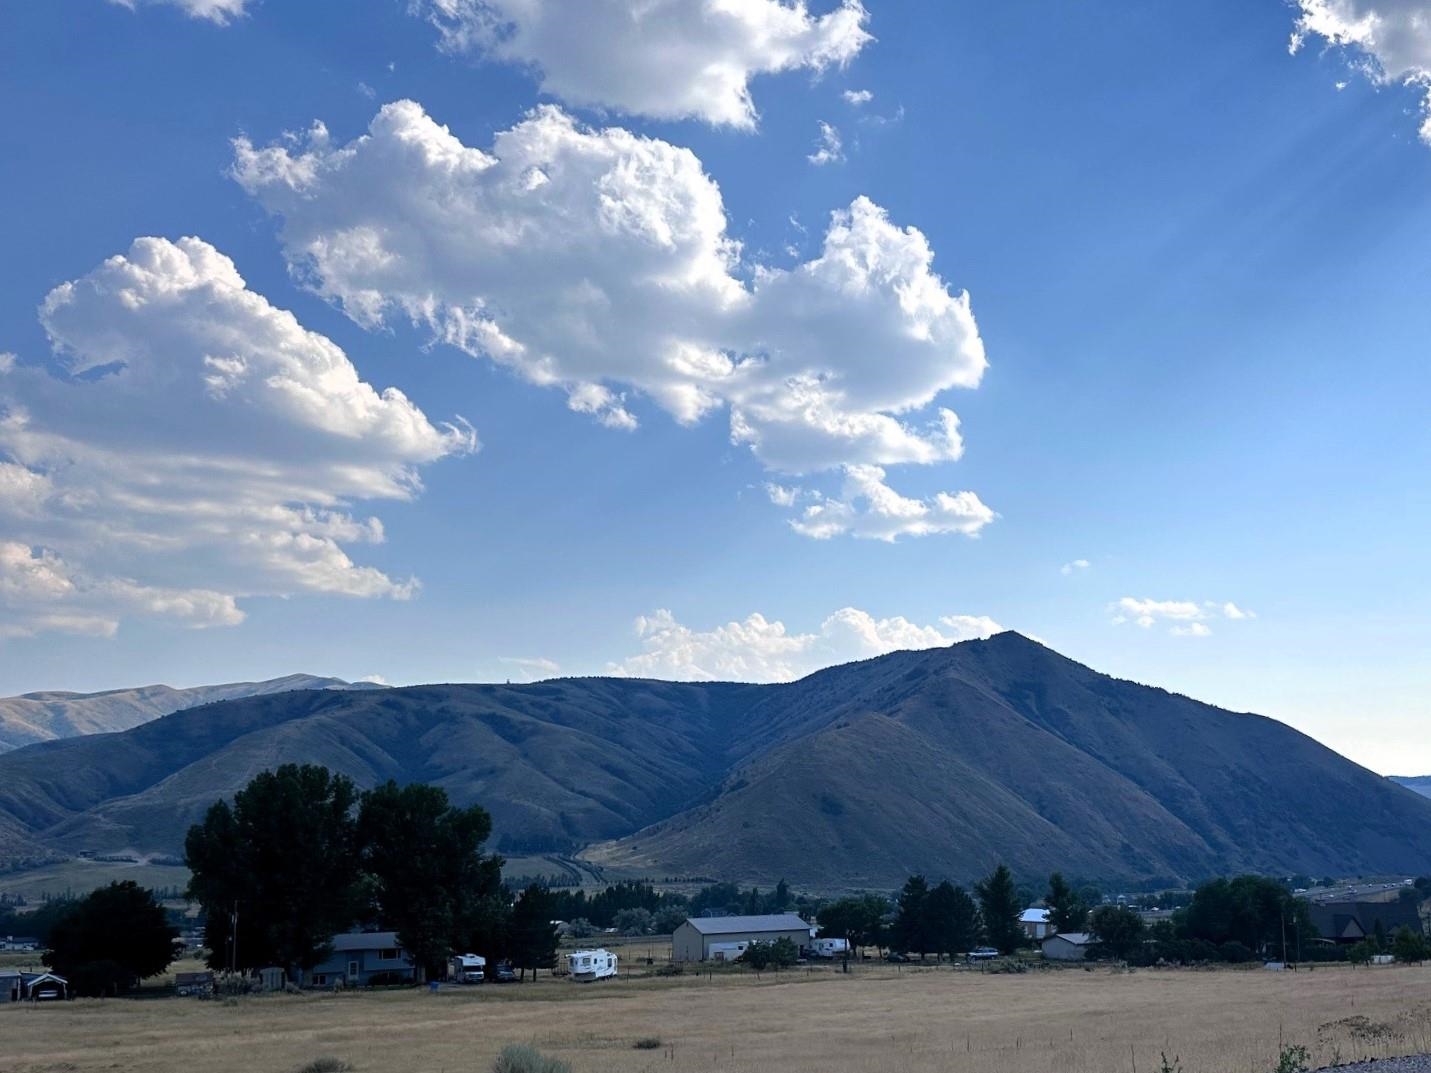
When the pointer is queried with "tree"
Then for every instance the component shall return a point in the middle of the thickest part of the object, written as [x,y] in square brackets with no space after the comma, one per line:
[999,905]
[953,919]
[667,919]
[634,922]
[275,873]
[911,919]
[780,898]
[777,955]
[533,939]
[425,859]
[111,940]
[859,921]
[1117,928]
[1409,946]
[1255,911]
[1066,911]
[581,928]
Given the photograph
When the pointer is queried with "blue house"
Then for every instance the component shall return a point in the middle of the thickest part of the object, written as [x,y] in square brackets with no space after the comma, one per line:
[362,958]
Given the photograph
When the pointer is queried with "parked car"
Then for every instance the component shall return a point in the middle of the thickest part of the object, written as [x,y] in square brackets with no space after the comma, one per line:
[504,974]
[895,955]
[983,953]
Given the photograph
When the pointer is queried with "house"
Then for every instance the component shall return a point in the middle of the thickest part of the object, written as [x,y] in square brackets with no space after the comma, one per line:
[1035,923]
[31,986]
[194,983]
[1067,946]
[19,943]
[362,959]
[695,939]
[1351,922]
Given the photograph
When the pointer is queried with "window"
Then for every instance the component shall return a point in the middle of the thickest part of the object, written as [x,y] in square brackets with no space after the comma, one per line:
[388,955]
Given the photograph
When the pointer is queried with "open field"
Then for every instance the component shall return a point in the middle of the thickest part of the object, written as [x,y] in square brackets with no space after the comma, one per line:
[77,877]
[875,1020]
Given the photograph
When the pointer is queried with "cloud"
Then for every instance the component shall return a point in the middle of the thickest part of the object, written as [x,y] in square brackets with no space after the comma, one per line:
[201,446]
[1390,40]
[829,149]
[597,262]
[221,12]
[1074,567]
[763,650]
[1188,618]
[857,97]
[870,509]
[374,679]
[531,670]
[668,59]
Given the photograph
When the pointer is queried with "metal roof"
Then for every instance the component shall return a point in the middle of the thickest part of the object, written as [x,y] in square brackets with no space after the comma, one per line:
[736,925]
[364,940]
[1034,916]
[1077,938]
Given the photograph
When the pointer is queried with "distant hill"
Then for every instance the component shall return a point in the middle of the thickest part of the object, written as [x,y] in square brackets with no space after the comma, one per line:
[942,761]
[1420,783]
[34,717]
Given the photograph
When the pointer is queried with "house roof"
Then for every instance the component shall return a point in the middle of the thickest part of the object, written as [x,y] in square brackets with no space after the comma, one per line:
[1077,938]
[364,940]
[1034,916]
[736,925]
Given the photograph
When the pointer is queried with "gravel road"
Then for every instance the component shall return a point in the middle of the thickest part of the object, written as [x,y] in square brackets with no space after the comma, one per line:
[1417,1063]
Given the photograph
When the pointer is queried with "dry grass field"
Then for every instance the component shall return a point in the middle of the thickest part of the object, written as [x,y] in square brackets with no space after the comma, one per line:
[875,1020]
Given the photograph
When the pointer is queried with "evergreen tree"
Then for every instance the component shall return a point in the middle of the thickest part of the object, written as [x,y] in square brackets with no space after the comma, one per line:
[277,870]
[1000,908]
[911,919]
[953,919]
[109,941]
[533,936]
[1066,911]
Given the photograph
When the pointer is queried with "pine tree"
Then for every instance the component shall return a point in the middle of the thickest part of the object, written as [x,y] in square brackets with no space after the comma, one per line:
[999,906]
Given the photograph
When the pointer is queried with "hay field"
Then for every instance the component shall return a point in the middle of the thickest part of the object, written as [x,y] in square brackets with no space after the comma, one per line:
[877,1020]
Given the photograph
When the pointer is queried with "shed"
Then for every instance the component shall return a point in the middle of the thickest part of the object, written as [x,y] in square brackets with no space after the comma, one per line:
[363,958]
[1067,946]
[1034,921]
[693,940]
[31,986]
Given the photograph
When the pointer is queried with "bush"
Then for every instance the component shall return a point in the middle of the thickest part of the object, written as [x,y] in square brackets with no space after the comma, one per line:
[519,1058]
[647,1043]
[1292,1060]
[672,968]
[1235,952]
[326,1064]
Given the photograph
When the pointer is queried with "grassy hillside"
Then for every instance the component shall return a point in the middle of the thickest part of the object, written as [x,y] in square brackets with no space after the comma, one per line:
[941,761]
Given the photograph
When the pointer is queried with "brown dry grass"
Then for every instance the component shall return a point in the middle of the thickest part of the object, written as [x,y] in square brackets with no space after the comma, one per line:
[876,1020]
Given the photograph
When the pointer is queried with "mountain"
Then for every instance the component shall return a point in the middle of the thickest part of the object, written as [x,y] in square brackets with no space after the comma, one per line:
[1420,783]
[943,761]
[34,717]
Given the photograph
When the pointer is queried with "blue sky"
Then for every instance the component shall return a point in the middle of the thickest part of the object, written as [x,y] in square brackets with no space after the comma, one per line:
[1196,260]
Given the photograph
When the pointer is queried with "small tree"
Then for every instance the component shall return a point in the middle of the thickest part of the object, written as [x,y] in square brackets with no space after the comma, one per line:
[1409,946]
[111,940]
[999,904]
[1066,911]
[1117,928]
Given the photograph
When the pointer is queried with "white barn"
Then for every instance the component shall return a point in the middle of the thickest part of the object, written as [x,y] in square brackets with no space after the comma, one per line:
[701,938]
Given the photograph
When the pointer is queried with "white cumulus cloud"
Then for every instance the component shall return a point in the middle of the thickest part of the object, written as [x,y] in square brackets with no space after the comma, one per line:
[221,12]
[1185,618]
[530,669]
[857,97]
[1389,40]
[597,262]
[829,148]
[202,447]
[758,649]
[1075,567]
[669,59]
[867,507]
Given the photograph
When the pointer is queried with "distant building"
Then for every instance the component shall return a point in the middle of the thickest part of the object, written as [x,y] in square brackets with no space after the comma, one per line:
[31,986]
[694,940]
[1067,946]
[194,983]
[1351,922]
[363,958]
[1035,923]
[19,943]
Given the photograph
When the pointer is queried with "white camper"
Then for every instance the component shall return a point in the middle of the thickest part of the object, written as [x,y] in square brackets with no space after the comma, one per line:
[587,965]
[468,968]
[729,951]
[830,948]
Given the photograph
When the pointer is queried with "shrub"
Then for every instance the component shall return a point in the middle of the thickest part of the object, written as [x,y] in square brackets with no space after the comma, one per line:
[1293,1059]
[519,1058]
[672,968]
[326,1064]
[647,1043]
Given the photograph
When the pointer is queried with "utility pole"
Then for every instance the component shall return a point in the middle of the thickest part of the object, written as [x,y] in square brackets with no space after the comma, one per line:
[233,939]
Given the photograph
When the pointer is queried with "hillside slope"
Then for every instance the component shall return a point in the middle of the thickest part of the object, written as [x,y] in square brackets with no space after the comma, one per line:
[1421,784]
[942,761]
[34,717]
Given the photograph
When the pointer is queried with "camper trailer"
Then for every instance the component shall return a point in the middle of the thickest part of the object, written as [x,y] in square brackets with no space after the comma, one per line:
[728,951]
[468,969]
[830,948]
[585,965]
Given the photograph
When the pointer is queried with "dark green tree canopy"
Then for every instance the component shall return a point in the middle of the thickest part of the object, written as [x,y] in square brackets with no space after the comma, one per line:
[953,919]
[911,931]
[1066,910]
[1118,929]
[1000,908]
[109,941]
[858,920]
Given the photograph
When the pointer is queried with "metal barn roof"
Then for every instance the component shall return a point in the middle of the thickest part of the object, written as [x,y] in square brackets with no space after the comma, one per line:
[736,925]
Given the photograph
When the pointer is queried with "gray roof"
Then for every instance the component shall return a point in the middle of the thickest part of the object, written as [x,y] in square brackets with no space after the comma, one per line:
[1077,938]
[736,925]
[364,940]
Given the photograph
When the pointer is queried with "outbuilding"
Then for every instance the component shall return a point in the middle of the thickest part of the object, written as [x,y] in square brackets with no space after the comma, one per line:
[694,940]
[32,986]
[1067,946]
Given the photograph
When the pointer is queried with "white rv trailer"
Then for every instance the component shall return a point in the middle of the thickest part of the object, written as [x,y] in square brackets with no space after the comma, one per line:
[468,968]
[830,948]
[587,965]
[729,951]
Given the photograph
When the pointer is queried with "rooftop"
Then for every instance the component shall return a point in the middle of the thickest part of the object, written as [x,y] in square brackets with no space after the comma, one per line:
[735,925]
[365,940]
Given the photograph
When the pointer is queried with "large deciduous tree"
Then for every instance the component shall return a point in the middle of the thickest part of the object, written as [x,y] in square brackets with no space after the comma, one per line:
[1118,929]
[276,872]
[109,941]
[429,877]
[858,920]
[533,936]
[1000,908]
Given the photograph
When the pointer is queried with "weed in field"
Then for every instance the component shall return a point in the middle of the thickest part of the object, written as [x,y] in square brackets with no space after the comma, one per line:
[519,1058]
[1175,1066]
[326,1064]
[1293,1059]
[647,1043]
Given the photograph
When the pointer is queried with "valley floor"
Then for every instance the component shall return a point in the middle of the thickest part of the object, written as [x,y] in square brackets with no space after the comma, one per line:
[874,1020]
